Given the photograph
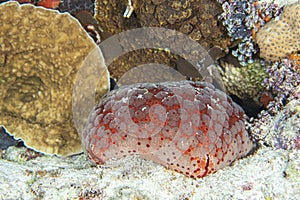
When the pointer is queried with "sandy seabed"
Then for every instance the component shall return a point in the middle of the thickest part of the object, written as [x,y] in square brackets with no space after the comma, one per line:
[267,174]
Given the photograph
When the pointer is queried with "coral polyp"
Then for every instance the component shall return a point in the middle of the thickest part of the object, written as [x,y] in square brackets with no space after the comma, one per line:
[280,38]
[279,126]
[242,20]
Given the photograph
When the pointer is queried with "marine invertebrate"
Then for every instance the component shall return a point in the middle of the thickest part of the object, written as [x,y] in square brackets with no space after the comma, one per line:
[190,127]
[109,15]
[245,83]
[41,51]
[283,79]
[49,3]
[280,129]
[184,16]
[242,20]
[280,38]
[45,3]
[278,125]
[296,58]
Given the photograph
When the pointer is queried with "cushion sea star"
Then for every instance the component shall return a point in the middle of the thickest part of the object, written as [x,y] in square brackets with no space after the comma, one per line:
[189,127]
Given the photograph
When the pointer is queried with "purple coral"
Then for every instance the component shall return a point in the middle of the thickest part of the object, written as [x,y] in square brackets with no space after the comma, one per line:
[279,125]
[282,80]
[241,19]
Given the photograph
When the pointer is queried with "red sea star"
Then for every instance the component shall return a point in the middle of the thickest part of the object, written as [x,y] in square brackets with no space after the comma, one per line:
[189,127]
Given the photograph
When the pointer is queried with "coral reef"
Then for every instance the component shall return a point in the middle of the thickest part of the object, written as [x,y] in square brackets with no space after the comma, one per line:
[82,10]
[283,80]
[279,125]
[109,15]
[280,38]
[204,28]
[189,127]
[245,83]
[41,51]
[184,16]
[280,129]
[155,45]
[242,20]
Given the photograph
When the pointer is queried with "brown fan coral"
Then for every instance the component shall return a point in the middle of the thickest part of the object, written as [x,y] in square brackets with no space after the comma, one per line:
[41,51]
[279,38]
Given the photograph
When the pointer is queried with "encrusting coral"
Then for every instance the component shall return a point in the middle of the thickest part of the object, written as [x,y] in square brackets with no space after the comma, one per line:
[245,83]
[197,19]
[280,38]
[41,51]
[182,16]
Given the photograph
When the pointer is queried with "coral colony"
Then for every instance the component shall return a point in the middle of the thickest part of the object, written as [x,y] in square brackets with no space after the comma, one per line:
[242,20]
[285,36]
[279,125]
[283,80]
[189,127]
[36,72]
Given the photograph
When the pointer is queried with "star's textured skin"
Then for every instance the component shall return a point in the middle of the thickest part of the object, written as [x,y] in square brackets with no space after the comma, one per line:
[189,127]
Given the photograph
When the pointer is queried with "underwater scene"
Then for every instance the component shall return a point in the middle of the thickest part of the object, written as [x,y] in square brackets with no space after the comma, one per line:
[150,99]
